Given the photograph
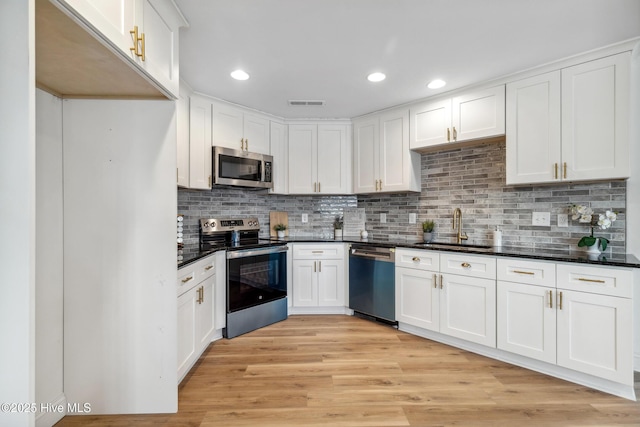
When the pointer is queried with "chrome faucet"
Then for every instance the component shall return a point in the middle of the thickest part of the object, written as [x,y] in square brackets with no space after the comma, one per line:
[457,218]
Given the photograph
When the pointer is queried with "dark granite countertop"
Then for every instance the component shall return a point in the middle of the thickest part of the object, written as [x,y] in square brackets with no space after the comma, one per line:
[192,253]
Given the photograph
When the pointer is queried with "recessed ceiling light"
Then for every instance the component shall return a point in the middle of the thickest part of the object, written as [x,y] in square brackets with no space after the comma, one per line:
[376,77]
[436,84]
[239,75]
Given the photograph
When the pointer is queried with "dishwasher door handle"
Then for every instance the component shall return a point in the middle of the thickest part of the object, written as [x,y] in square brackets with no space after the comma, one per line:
[382,256]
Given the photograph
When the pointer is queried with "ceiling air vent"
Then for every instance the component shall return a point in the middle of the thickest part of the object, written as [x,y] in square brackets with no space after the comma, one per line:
[305,103]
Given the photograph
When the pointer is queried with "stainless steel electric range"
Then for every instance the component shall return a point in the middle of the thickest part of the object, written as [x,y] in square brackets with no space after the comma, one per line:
[256,293]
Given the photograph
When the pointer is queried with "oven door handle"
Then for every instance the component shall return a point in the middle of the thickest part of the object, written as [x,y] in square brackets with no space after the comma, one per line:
[243,253]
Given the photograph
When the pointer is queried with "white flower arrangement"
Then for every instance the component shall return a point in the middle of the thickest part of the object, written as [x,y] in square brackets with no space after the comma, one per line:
[584,214]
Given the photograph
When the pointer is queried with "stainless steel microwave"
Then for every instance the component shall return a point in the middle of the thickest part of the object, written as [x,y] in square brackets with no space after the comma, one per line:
[241,168]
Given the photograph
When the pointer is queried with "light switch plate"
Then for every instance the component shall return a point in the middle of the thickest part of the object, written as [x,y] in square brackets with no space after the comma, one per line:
[305,218]
[563,220]
[383,218]
[412,218]
[541,219]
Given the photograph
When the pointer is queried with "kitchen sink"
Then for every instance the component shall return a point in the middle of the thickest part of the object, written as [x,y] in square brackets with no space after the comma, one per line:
[455,246]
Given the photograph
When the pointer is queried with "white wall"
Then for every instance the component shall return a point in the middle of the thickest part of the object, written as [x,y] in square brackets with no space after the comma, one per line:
[119,255]
[17,209]
[49,272]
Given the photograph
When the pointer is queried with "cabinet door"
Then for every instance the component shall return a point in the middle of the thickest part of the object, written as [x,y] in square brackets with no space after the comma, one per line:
[333,160]
[279,151]
[595,336]
[160,45]
[533,130]
[395,156]
[430,124]
[595,119]
[303,145]
[305,283]
[527,320]
[366,155]
[331,283]
[205,312]
[417,298]
[114,18]
[468,309]
[228,127]
[256,134]
[200,143]
[478,114]
[186,331]
[182,124]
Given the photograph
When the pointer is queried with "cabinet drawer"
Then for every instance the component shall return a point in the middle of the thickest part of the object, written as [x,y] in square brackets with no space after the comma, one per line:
[529,272]
[468,265]
[417,259]
[315,251]
[195,273]
[597,280]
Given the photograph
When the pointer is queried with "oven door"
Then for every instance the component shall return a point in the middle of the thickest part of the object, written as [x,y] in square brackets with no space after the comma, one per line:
[256,276]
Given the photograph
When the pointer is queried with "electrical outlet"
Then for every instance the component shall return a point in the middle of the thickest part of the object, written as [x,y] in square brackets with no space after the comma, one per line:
[383,218]
[541,219]
[412,218]
[305,218]
[563,220]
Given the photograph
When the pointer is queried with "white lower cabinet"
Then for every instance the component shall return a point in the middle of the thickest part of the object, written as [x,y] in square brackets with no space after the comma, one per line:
[195,312]
[460,305]
[319,275]
[571,315]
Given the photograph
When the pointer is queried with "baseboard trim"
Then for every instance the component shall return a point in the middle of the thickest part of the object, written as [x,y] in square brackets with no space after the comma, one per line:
[320,310]
[50,417]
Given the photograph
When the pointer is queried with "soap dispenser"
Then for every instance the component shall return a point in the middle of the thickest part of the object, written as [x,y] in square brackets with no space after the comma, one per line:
[497,237]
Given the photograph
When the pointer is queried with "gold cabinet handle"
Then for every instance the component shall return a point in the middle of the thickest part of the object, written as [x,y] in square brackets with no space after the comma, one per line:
[138,43]
[246,144]
[143,50]
[560,301]
[415,258]
[441,281]
[199,300]
[582,279]
[564,168]
[319,191]
[208,267]
[319,266]
[555,165]
[448,135]
[465,265]
[210,183]
[315,187]
[185,280]
[317,252]
[550,299]
[314,267]
[380,185]
[455,134]
[524,272]
[435,281]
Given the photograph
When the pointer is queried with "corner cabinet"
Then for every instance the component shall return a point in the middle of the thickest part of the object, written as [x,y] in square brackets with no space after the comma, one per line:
[570,124]
[470,116]
[319,278]
[319,159]
[155,23]
[382,160]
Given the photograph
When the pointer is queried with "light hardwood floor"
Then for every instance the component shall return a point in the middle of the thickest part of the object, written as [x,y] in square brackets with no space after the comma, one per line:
[345,371]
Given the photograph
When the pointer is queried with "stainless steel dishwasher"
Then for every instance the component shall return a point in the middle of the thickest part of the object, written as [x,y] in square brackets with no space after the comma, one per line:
[372,289]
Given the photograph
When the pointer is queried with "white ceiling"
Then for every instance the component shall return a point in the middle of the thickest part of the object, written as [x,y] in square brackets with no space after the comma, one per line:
[324,49]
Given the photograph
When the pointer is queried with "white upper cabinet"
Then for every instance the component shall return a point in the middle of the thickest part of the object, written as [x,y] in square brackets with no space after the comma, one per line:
[595,119]
[144,31]
[279,151]
[182,124]
[200,143]
[571,124]
[383,161]
[240,130]
[319,159]
[466,117]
